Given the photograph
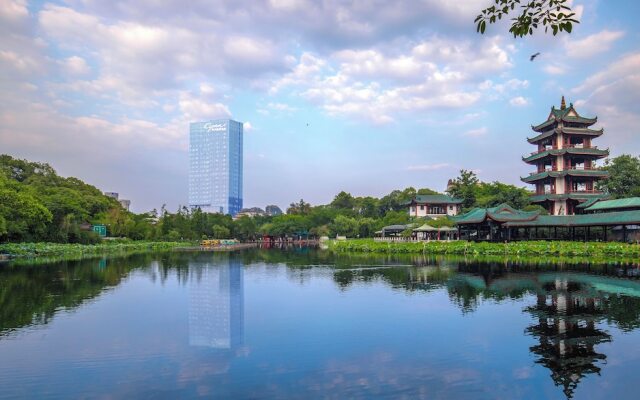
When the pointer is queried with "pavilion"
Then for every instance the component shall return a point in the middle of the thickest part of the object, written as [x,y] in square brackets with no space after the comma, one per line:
[504,223]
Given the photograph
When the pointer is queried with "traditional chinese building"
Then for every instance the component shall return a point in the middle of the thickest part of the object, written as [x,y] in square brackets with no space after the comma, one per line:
[566,173]
[434,206]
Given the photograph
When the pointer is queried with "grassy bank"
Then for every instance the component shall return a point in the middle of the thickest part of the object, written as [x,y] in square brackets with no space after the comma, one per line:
[533,248]
[76,251]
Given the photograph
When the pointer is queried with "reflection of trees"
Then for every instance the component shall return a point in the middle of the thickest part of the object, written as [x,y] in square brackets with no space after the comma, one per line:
[32,294]
[567,334]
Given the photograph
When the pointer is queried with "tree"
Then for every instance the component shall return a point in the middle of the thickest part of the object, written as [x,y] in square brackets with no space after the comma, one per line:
[300,208]
[624,176]
[426,191]
[245,228]
[343,200]
[366,227]
[464,187]
[496,193]
[345,226]
[220,232]
[554,14]
[25,218]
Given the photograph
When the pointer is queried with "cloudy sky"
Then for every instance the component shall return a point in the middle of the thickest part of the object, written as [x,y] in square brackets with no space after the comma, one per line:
[362,96]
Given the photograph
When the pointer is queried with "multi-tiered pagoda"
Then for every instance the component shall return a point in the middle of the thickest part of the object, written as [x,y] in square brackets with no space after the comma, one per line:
[566,172]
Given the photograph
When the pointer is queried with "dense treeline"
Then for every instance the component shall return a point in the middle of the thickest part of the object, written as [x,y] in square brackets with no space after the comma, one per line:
[36,204]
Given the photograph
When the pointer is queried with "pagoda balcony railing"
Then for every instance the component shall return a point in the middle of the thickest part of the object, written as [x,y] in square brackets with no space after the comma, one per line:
[565,146]
[580,167]
[547,168]
[594,191]
[546,191]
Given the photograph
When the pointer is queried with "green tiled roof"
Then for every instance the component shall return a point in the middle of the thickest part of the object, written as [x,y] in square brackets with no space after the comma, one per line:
[582,131]
[610,218]
[630,202]
[571,172]
[434,199]
[541,136]
[501,213]
[559,114]
[598,153]
[589,202]
[573,196]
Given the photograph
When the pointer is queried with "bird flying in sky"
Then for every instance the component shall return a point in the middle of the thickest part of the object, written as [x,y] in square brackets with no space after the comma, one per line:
[533,56]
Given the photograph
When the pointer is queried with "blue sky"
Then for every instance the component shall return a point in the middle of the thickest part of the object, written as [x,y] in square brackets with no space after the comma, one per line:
[365,97]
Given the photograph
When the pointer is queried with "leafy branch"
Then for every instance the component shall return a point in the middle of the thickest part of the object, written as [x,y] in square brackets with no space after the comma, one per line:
[550,14]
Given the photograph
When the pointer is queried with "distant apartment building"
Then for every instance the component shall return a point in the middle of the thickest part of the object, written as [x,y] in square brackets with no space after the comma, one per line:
[215,166]
[250,212]
[273,210]
[126,204]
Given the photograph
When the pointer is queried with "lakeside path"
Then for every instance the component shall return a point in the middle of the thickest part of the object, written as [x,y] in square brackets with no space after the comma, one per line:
[602,250]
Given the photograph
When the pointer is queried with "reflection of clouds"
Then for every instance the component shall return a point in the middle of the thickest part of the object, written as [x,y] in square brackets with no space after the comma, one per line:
[380,374]
[522,373]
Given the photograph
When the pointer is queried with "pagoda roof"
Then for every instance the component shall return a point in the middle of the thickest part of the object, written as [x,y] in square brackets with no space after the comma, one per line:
[539,198]
[434,199]
[581,131]
[571,172]
[501,213]
[630,202]
[600,219]
[568,131]
[565,114]
[587,151]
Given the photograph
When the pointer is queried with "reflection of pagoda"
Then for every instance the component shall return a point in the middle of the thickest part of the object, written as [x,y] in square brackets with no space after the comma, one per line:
[216,306]
[566,173]
[567,332]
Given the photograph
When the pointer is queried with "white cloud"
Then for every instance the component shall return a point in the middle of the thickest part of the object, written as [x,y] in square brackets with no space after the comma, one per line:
[476,132]
[613,94]
[196,109]
[554,69]
[519,101]
[592,45]
[372,85]
[76,65]
[13,10]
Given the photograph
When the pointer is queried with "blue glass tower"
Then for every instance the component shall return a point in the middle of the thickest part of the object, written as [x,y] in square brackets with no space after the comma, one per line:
[215,166]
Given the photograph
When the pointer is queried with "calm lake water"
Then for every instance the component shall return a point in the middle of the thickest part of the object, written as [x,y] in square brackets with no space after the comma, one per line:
[307,324]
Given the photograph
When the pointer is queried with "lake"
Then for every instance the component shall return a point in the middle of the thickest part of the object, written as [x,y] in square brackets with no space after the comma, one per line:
[304,323]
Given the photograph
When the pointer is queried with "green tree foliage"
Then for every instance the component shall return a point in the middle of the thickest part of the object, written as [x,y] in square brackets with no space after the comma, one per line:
[555,15]
[245,228]
[345,226]
[343,201]
[624,176]
[23,217]
[300,208]
[475,193]
[220,232]
[465,187]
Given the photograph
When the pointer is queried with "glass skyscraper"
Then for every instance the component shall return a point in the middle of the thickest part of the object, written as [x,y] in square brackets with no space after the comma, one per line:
[215,166]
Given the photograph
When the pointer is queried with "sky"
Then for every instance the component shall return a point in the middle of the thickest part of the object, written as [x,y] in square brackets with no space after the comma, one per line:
[360,96]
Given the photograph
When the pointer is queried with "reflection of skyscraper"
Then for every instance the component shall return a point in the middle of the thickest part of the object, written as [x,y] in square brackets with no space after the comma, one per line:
[216,306]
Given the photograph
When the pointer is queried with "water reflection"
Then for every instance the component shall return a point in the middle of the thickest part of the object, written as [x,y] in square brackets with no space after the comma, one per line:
[319,323]
[216,305]
[567,313]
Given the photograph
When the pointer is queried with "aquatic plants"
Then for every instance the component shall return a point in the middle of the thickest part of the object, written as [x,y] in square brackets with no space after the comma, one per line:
[529,248]
[76,251]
